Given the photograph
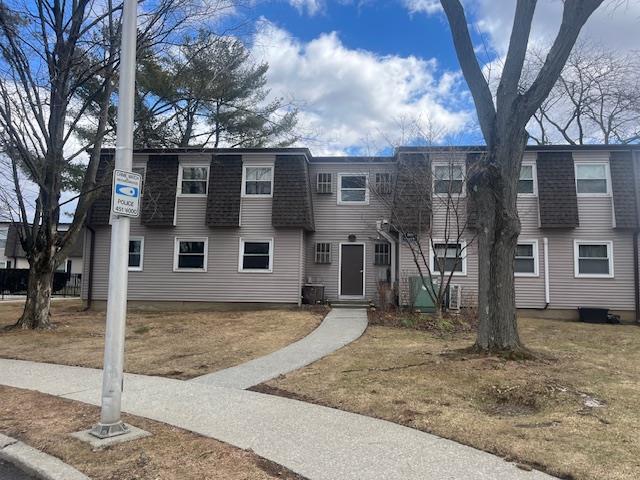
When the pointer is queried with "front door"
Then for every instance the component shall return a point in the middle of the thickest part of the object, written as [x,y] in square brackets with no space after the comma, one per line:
[352,270]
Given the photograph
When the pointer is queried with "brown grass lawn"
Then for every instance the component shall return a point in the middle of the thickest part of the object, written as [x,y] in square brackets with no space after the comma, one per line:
[45,422]
[171,344]
[538,413]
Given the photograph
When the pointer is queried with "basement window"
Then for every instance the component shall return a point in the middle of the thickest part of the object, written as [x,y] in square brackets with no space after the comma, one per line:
[593,259]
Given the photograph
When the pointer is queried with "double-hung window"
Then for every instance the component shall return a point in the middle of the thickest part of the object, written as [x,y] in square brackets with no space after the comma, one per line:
[526,259]
[323,184]
[383,183]
[592,179]
[382,254]
[593,259]
[448,179]
[526,182]
[323,252]
[256,256]
[257,181]
[4,232]
[449,257]
[136,249]
[353,188]
[190,254]
[193,180]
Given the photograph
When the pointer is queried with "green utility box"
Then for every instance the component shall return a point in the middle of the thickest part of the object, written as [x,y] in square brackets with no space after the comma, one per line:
[421,299]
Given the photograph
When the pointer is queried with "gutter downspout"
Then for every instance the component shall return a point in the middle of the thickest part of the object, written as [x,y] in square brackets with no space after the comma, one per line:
[635,159]
[393,243]
[547,300]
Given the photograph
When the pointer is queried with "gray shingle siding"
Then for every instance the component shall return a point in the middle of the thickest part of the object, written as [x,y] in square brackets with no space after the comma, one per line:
[624,189]
[292,207]
[161,183]
[101,208]
[557,190]
[225,186]
[412,197]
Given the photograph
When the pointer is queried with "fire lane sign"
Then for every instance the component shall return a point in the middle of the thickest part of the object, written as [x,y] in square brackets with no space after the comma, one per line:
[125,193]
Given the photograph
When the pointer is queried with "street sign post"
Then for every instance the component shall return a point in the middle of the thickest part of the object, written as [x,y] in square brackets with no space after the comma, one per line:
[126,193]
[126,203]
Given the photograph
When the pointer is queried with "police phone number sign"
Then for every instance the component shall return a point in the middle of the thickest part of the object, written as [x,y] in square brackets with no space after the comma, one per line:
[126,193]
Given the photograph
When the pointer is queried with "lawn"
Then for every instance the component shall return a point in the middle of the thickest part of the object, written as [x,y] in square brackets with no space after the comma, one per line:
[574,412]
[172,344]
[45,422]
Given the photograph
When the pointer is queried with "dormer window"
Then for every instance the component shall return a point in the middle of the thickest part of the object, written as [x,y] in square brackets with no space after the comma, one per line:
[193,180]
[257,181]
[353,189]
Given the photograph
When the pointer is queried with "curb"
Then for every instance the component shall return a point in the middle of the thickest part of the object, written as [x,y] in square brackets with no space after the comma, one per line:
[35,462]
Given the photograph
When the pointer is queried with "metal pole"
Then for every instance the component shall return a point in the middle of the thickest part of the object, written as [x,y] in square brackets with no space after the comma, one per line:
[112,378]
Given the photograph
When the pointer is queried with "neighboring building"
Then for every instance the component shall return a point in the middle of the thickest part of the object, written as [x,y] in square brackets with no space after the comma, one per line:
[14,255]
[255,225]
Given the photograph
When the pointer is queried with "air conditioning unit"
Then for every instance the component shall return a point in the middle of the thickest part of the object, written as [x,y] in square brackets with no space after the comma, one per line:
[455,297]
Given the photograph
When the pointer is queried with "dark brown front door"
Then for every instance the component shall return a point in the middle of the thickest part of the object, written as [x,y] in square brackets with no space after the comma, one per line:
[351,269]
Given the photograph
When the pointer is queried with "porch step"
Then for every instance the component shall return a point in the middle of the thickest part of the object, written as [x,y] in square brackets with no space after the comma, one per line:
[350,304]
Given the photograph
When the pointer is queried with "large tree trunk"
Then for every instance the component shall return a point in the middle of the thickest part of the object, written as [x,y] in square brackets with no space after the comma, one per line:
[499,227]
[36,314]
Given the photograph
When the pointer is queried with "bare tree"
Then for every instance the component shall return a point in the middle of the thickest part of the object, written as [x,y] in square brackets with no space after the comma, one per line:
[58,61]
[503,124]
[596,98]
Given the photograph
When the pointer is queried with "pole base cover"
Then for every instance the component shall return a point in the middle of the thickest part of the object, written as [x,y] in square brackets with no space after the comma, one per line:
[102,430]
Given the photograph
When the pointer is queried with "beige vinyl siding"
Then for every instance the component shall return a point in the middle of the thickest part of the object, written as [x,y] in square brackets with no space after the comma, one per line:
[334,223]
[222,282]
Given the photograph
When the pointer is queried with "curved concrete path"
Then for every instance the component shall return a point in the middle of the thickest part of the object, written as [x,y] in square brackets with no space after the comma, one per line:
[340,327]
[317,442]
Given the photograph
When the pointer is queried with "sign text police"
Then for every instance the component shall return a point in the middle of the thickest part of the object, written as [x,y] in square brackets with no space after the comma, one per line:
[126,193]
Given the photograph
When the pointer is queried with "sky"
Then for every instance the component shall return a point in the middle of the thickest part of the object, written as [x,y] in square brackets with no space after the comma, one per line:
[369,75]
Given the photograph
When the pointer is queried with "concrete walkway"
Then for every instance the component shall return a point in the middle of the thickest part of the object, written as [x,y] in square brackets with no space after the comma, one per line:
[340,327]
[317,442]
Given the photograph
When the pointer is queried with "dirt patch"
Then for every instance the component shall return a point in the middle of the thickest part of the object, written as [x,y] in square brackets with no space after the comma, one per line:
[173,344]
[45,422]
[449,324]
[572,411]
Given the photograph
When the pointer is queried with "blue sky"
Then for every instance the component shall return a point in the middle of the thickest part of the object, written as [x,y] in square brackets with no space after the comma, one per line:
[372,74]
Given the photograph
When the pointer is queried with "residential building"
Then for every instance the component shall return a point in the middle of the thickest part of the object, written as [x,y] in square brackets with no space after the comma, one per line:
[14,255]
[256,225]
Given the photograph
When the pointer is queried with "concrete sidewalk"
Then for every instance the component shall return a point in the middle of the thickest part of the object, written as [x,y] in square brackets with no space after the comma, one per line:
[339,328]
[317,442]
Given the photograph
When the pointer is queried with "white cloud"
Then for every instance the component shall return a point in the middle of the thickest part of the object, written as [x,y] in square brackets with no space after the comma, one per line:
[356,100]
[423,6]
[311,7]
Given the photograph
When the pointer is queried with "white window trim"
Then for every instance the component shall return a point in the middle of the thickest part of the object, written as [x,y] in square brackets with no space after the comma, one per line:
[576,264]
[607,173]
[241,255]
[366,188]
[137,269]
[463,247]
[463,193]
[192,165]
[64,270]
[534,175]
[536,271]
[244,181]
[176,249]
